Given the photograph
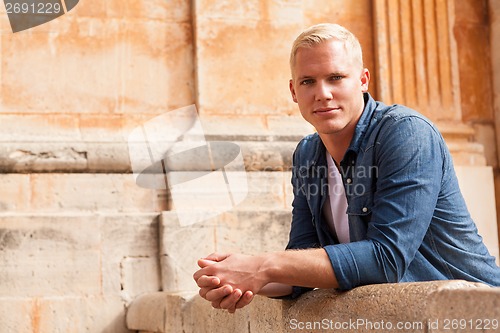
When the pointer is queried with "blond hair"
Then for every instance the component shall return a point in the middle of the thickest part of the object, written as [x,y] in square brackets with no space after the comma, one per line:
[320,33]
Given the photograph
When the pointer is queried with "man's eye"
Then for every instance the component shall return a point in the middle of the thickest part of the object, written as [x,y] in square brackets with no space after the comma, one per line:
[306,82]
[336,77]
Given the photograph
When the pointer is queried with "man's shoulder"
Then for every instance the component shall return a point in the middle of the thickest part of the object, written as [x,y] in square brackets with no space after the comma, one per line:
[310,139]
[389,122]
[400,117]
[309,143]
[398,111]
[308,148]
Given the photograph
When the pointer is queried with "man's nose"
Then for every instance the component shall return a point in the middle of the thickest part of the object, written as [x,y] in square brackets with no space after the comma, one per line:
[324,91]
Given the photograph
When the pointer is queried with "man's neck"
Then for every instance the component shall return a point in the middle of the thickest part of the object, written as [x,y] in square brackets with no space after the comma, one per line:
[336,145]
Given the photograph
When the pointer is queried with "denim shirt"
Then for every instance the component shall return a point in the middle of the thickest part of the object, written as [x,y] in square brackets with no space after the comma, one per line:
[407,218]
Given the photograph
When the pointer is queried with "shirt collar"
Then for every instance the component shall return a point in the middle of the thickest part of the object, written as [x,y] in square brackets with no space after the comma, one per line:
[363,123]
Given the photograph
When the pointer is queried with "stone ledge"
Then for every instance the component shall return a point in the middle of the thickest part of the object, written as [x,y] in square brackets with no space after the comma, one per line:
[426,306]
[113,157]
[259,154]
[63,144]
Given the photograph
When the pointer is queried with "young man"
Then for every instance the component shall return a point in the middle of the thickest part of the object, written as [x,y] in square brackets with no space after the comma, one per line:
[376,198]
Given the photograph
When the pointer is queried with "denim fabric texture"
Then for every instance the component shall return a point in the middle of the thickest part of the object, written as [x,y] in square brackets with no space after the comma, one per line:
[408,220]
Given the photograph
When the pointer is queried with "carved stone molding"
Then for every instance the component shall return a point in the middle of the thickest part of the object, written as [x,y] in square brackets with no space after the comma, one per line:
[416,56]
[416,65]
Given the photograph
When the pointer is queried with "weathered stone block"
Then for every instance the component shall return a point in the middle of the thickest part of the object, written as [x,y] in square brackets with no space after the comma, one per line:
[108,158]
[381,308]
[82,314]
[218,127]
[267,156]
[485,135]
[77,192]
[475,180]
[129,249]
[166,316]
[14,195]
[33,127]
[266,191]
[180,249]
[184,312]
[49,157]
[250,190]
[140,275]
[219,190]
[47,255]
[103,128]
[175,11]
[16,315]
[289,128]
[126,67]
[253,232]
[464,310]
[224,30]
[263,312]
[199,316]
[159,75]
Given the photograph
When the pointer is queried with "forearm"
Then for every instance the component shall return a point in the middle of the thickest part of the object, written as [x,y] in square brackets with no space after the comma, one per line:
[305,268]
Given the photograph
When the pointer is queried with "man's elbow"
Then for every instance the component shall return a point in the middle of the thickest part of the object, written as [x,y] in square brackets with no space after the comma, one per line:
[393,264]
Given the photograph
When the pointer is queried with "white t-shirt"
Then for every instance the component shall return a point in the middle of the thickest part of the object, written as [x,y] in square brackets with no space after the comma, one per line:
[335,208]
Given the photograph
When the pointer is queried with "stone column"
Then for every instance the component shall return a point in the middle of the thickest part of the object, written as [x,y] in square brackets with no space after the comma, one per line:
[416,56]
[416,65]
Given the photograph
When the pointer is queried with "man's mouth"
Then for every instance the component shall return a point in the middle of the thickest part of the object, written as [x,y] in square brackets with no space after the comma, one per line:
[325,110]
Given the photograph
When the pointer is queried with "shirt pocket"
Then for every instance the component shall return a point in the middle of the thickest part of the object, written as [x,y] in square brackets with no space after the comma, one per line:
[359,211]
[360,205]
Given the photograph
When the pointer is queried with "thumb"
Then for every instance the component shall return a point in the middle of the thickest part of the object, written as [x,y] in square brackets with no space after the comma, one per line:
[205,262]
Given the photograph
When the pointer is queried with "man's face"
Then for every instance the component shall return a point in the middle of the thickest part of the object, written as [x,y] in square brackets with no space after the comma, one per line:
[328,87]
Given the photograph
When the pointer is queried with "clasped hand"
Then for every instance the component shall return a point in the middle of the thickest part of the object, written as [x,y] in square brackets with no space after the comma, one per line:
[229,281]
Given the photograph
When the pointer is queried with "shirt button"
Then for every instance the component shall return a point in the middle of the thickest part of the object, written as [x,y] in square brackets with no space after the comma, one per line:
[349,180]
[364,209]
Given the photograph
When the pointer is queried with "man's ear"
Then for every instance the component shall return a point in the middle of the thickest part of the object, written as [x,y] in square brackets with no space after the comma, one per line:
[365,79]
[292,91]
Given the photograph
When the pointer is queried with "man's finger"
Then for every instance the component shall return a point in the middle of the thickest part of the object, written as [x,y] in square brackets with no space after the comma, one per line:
[217,256]
[203,262]
[218,294]
[203,292]
[230,301]
[245,299]
[210,282]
